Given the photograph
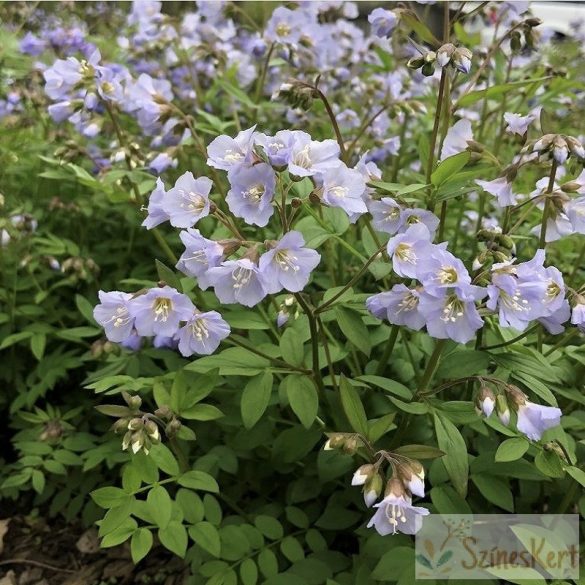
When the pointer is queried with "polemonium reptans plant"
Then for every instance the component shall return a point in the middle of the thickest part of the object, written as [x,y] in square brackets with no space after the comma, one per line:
[368,250]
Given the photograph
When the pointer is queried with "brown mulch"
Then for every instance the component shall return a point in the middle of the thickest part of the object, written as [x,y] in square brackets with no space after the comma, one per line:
[36,551]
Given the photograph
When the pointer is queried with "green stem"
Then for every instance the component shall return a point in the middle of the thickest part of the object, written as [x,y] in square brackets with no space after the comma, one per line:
[562,341]
[327,304]
[431,366]
[262,78]
[547,203]
[314,340]
[511,341]
[276,361]
[388,350]
[433,144]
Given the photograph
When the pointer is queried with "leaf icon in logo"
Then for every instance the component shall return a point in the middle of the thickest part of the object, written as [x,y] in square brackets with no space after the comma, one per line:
[445,557]
[424,561]
[430,548]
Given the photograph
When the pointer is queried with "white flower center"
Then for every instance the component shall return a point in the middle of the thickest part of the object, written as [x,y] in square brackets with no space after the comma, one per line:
[241,276]
[447,275]
[254,193]
[408,303]
[233,156]
[162,307]
[199,329]
[193,202]
[286,261]
[453,310]
[406,253]
[120,317]
[394,514]
[339,191]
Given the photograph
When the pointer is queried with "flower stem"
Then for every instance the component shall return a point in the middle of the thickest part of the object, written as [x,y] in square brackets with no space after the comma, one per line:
[433,144]
[388,350]
[371,259]
[547,203]
[314,340]
[431,366]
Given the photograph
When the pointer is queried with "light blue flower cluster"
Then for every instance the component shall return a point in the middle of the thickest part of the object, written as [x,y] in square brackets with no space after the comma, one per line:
[164,314]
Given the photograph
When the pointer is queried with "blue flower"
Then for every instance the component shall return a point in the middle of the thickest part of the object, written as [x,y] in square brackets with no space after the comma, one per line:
[278,148]
[383,22]
[237,281]
[407,248]
[160,310]
[225,152]
[156,213]
[188,201]
[440,270]
[288,265]
[202,334]
[309,157]
[343,187]
[400,306]
[386,215]
[501,189]
[114,316]
[251,193]
[396,513]
[453,315]
[199,256]
[534,419]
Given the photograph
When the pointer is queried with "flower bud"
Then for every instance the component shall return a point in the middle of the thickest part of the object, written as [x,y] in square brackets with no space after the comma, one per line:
[335,441]
[544,143]
[575,147]
[556,448]
[395,487]
[296,202]
[486,401]
[428,69]
[461,59]
[516,41]
[152,431]
[120,426]
[163,412]
[502,409]
[445,53]
[516,395]
[135,424]
[570,187]
[532,22]
[475,146]
[134,402]
[560,149]
[412,475]
[362,474]
[415,63]
[373,489]
[350,446]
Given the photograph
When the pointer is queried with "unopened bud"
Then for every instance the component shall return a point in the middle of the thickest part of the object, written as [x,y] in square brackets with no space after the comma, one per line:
[516,395]
[475,146]
[415,63]
[486,401]
[135,424]
[296,202]
[395,487]
[502,409]
[428,69]
[571,187]
[373,489]
[362,474]
[335,441]
[532,22]
[444,54]
[350,446]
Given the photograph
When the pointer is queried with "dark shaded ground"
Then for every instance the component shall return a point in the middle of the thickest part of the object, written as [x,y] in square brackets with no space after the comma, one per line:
[34,551]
